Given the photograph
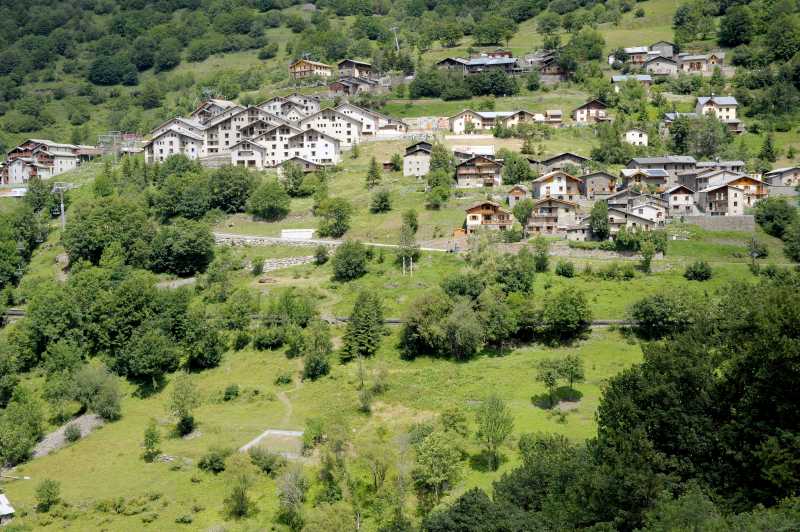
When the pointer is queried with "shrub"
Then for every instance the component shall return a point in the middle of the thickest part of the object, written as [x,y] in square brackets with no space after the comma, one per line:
[185,425]
[349,261]
[283,379]
[541,259]
[231,392]
[269,201]
[321,255]
[72,433]
[268,462]
[293,338]
[698,271]
[268,338]
[381,202]
[565,316]
[214,460]
[47,494]
[241,340]
[660,315]
[565,268]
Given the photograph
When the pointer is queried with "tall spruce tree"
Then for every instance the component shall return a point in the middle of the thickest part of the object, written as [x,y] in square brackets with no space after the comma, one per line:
[373,174]
[365,328]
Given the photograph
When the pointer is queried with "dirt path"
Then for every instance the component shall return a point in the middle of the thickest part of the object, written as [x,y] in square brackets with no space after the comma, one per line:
[56,439]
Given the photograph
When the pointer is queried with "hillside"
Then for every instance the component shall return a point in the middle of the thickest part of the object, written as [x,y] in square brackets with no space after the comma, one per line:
[641,380]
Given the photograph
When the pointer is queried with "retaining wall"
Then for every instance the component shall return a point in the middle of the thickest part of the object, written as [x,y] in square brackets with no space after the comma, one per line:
[745,223]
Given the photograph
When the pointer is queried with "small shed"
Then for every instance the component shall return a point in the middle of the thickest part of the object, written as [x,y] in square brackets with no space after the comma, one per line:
[6,510]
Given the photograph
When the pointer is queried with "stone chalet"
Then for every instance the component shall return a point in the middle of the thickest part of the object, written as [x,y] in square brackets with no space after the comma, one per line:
[488,215]
[648,178]
[417,159]
[680,201]
[479,171]
[636,137]
[783,177]
[562,161]
[620,79]
[723,200]
[672,164]
[557,184]
[723,107]
[305,68]
[597,184]
[552,216]
[517,194]
[591,112]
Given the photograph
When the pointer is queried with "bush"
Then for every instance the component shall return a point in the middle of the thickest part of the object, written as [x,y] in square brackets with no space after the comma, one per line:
[321,255]
[698,271]
[565,268]
[283,379]
[241,340]
[72,433]
[269,202]
[660,315]
[334,214]
[565,316]
[214,460]
[47,494]
[185,425]
[268,462]
[381,202]
[231,392]
[349,261]
[268,338]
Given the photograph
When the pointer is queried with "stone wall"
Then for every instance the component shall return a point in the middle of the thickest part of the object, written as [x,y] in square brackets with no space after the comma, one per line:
[243,240]
[744,223]
[780,190]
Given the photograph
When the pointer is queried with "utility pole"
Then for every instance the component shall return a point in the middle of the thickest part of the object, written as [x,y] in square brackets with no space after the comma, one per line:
[60,188]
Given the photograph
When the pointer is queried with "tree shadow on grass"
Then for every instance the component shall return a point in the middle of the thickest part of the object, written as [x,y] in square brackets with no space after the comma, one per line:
[482,462]
[563,393]
[147,387]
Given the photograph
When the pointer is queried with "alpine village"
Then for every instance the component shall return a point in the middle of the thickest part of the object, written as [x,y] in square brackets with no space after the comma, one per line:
[400,265]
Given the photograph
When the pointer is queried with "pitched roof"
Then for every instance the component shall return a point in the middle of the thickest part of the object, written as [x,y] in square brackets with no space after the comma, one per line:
[778,171]
[660,58]
[487,202]
[310,62]
[599,172]
[717,100]
[362,63]
[626,77]
[5,506]
[666,159]
[677,187]
[549,175]
[474,157]
[565,202]
[490,61]
[649,172]
[590,102]
[566,153]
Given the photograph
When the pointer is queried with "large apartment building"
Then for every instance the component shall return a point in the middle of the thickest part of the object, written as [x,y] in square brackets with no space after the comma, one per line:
[269,134]
[42,158]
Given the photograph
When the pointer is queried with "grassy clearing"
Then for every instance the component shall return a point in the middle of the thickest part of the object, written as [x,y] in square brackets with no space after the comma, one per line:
[565,97]
[417,390]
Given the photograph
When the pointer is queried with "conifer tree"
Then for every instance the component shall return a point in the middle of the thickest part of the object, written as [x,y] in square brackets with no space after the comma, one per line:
[373,174]
[362,337]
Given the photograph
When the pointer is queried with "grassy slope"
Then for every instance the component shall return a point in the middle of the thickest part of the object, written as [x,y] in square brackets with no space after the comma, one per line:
[418,389]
